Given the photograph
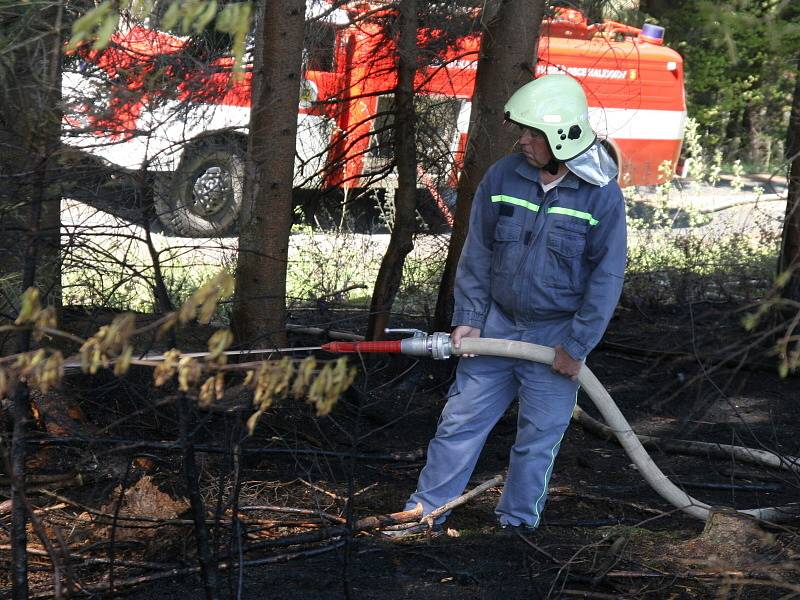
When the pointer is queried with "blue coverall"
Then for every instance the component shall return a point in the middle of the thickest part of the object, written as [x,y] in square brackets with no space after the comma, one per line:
[540,268]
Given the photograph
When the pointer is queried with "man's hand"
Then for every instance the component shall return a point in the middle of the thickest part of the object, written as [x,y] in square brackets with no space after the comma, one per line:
[565,365]
[463,331]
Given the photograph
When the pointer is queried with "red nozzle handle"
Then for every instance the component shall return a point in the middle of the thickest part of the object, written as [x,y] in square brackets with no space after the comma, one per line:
[390,346]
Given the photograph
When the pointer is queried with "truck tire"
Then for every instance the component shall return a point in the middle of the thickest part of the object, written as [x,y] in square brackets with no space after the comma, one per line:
[203,197]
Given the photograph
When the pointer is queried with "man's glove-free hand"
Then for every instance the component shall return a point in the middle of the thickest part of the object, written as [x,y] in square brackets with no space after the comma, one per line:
[565,365]
[463,331]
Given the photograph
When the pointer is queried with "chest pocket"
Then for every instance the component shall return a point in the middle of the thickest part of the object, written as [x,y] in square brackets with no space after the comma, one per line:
[507,246]
[564,264]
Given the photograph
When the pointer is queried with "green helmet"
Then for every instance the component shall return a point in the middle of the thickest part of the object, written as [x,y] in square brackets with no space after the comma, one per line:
[556,106]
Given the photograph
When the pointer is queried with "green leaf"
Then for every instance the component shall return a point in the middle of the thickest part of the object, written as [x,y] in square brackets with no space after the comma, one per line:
[84,27]
[234,17]
[783,369]
[106,30]
[205,17]
[140,9]
[188,15]
[783,278]
[191,10]
[749,321]
[171,17]
[235,20]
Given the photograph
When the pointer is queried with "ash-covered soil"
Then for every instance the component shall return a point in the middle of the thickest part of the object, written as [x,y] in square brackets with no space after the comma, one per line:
[682,373]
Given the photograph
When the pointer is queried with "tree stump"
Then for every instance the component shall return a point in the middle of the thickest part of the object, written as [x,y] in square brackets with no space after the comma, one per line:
[730,539]
[727,527]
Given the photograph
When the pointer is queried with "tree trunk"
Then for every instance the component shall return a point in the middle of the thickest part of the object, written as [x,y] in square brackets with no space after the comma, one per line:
[790,245]
[266,220]
[30,121]
[507,61]
[757,148]
[731,134]
[405,200]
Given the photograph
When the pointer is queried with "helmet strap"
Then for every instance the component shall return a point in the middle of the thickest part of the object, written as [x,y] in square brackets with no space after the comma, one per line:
[552,166]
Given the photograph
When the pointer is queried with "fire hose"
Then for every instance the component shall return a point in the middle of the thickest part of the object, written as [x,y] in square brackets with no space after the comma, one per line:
[438,346]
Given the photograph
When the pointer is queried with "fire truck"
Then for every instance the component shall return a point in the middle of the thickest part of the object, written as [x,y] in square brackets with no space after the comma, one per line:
[148,104]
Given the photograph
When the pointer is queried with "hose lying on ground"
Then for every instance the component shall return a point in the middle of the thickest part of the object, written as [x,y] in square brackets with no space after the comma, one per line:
[753,456]
[619,425]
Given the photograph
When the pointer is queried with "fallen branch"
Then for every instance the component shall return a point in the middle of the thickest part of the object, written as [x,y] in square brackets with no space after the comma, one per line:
[727,485]
[321,490]
[372,522]
[5,507]
[334,335]
[755,475]
[151,522]
[590,595]
[743,578]
[694,448]
[293,511]
[541,551]
[39,480]
[463,499]
[768,583]
[131,444]
[634,353]
[563,490]
[86,559]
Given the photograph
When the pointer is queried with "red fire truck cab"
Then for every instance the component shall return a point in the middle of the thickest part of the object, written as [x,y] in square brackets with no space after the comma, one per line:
[141,105]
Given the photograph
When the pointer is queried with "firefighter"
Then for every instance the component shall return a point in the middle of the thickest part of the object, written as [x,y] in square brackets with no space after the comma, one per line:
[543,263]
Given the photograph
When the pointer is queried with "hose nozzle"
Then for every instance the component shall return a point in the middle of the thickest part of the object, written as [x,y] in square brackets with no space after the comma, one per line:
[435,345]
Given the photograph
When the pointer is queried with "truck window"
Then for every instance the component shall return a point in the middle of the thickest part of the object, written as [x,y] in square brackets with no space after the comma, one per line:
[436,128]
[320,45]
[437,118]
[381,144]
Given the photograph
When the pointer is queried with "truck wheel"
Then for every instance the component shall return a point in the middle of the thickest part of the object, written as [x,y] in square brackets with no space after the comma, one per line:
[203,197]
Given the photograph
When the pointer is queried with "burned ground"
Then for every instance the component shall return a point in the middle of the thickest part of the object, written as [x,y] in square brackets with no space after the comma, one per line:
[676,373]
